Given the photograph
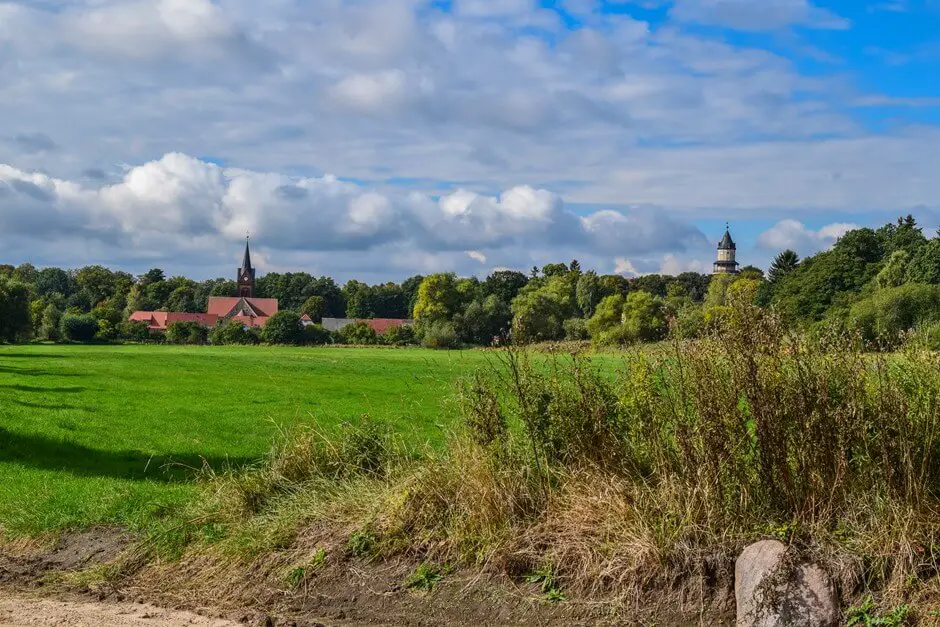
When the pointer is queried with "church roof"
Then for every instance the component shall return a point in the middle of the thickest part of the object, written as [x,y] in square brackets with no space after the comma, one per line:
[246,261]
[726,242]
[225,307]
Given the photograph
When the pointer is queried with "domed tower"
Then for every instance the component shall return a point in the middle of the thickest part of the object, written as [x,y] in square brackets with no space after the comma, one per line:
[246,275]
[726,263]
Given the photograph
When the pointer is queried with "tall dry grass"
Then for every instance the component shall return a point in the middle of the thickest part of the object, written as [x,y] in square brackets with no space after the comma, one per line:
[652,478]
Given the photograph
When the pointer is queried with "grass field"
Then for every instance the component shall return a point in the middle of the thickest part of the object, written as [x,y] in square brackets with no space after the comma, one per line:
[110,434]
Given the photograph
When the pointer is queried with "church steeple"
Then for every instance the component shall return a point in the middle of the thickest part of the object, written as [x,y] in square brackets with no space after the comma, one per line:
[246,275]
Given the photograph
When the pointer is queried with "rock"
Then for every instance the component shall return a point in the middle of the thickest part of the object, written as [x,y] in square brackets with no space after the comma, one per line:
[772,590]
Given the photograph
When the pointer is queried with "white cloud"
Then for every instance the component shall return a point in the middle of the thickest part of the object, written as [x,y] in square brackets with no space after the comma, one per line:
[624,266]
[167,205]
[796,236]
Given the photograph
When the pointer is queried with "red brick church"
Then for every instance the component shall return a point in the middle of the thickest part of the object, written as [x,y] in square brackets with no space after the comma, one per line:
[244,308]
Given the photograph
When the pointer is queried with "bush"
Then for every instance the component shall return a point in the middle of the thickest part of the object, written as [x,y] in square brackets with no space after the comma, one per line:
[106,331]
[576,329]
[888,313]
[398,336]
[316,335]
[440,334]
[78,327]
[359,333]
[186,333]
[134,331]
[283,328]
[232,332]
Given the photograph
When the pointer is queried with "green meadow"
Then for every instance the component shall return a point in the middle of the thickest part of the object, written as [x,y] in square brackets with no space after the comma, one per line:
[115,434]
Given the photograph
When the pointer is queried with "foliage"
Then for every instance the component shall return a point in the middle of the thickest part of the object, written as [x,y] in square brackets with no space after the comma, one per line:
[316,335]
[504,284]
[134,331]
[439,334]
[314,307]
[187,332]
[541,308]
[576,329]
[483,320]
[78,327]
[783,264]
[232,332]
[359,333]
[887,313]
[438,298]
[638,317]
[401,335]
[15,322]
[282,328]
[424,577]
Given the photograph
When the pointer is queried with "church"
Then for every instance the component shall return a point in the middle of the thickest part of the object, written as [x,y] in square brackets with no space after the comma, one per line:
[244,308]
[726,263]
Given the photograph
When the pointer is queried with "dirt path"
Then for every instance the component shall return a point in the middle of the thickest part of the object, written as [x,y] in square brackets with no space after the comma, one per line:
[20,610]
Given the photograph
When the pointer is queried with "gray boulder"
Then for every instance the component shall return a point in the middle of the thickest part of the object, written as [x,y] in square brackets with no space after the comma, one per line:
[773,589]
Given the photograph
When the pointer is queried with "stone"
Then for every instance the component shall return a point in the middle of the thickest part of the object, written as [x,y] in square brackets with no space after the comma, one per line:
[772,590]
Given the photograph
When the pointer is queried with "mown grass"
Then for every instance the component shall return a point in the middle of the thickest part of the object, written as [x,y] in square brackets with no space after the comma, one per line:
[115,434]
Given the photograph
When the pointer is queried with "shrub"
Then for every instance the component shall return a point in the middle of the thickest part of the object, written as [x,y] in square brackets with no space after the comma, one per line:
[283,328]
[315,335]
[359,333]
[887,313]
[398,336]
[576,329]
[134,331]
[106,331]
[78,327]
[186,333]
[232,332]
[440,334]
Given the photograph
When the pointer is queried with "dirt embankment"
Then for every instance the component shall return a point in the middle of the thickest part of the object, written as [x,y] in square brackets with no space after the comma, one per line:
[45,586]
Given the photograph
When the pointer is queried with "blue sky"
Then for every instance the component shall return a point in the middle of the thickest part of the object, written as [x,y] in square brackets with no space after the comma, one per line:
[382,138]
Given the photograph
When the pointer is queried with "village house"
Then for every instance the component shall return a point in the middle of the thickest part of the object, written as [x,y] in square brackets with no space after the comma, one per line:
[244,308]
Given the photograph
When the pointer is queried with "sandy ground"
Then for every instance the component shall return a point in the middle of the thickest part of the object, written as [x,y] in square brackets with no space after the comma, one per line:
[18,610]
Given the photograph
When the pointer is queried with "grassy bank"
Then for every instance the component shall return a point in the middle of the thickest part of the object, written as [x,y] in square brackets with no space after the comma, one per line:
[114,434]
[616,488]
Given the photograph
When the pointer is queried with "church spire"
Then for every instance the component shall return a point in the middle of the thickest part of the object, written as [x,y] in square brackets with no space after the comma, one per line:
[246,261]
[246,275]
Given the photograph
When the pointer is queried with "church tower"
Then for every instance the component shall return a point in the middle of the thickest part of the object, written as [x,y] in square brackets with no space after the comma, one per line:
[726,262]
[246,275]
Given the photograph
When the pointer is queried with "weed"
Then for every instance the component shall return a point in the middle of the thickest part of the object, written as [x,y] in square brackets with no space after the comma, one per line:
[424,577]
[297,575]
[362,543]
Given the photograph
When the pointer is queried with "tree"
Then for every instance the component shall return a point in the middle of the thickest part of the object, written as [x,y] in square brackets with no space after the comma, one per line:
[589,292]
[894,272]
[554,269]
[504,284]
[186,332]
[360,334]
[15,321]
[53,280]
[49,328]
[638,317]
[410,289]
[182,299]
[282,328]
[314,307]
[751,272]
[888,312]
[97,282]
[134,331]
[654,284]
[484,320]
[784,263]
[924,266]
[78,327]
[232,332]
[154,275]
[438,298]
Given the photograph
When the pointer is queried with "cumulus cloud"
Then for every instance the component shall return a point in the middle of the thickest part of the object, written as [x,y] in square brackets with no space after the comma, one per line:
[179,200]
[796,236]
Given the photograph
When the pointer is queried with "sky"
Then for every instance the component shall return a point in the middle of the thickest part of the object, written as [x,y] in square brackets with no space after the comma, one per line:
[377,139]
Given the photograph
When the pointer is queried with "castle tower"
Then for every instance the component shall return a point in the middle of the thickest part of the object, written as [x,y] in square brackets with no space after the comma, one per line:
[726,262]
[246,275]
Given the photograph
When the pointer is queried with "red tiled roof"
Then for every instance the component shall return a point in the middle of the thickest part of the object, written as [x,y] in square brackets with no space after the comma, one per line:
[222,306]
[381,325]
[159,320]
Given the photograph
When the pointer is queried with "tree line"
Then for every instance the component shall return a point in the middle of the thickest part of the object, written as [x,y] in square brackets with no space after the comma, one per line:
[879,281]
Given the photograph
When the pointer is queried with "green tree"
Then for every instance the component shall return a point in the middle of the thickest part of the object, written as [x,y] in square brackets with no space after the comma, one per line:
[438,298]
[186,332]
[15,322]
[232,332]
[78,327]
[49,329]
[484,320]
[924,266]
[359,334]
[282,328]
[504,284]
[888,312]
[96,281]
[783,264]
[314,307]
[894,272]
[589,292]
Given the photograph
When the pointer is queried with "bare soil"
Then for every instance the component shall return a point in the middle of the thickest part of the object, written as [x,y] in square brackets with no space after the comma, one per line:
[206,593]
